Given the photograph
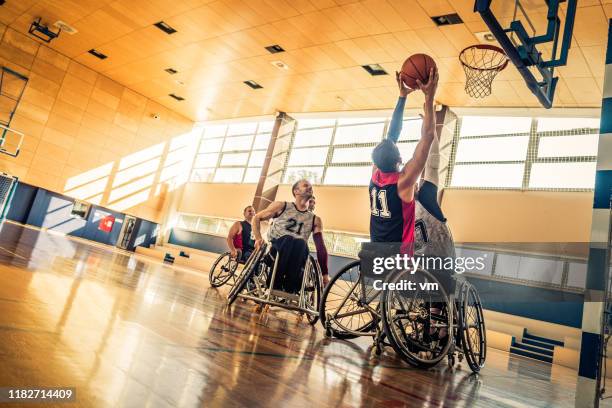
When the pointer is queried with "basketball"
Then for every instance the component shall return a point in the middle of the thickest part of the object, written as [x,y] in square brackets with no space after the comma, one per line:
[417,66]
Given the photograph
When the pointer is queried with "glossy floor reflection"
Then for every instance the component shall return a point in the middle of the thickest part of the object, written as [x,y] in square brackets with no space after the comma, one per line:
[130,332]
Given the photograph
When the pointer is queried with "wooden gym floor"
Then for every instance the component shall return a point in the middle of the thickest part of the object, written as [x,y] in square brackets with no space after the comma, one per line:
[126,331]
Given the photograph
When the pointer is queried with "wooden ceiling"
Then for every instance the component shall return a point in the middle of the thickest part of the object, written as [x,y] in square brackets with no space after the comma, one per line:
[219,44]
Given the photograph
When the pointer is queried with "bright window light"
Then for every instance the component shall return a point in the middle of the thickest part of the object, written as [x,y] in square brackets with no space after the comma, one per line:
[237,143]
[562,175]
[352,154]
[211,145]
[312,174]
[206,160]
[262,141]
[357,121]
[257,158]
[202,175]
[494,125]
[406,150]
[313,137]
[314,123]
[488,175]
[357,176]
[214,131]
[359,134]
[493,149]
[229,175]
[411,129]
[241,128]
[556,124]
[252,175]
[265,127]
[234,159]
[568,146]
[311,155]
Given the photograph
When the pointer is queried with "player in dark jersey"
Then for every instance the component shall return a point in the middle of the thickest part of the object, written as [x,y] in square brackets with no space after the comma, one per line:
[392,191]
[239,239]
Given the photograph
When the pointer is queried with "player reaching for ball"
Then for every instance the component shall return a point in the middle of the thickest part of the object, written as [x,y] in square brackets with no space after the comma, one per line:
[392,190]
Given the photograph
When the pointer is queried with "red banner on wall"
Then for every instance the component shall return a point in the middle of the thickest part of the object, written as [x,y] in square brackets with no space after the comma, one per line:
[106,223]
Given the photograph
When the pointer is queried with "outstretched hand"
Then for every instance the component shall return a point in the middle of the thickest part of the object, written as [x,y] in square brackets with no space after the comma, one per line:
[429,88]
[404,89]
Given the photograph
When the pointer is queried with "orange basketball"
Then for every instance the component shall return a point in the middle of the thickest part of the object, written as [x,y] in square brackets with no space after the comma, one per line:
[417,66]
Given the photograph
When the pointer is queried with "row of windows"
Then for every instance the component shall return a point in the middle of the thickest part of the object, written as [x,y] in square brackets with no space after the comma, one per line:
[487,152]
[556,272]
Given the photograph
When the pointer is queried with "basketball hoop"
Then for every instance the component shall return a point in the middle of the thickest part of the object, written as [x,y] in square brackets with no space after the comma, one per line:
[481,63]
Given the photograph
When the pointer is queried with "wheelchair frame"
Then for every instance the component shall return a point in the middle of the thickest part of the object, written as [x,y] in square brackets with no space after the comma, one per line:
[455,322]
[261,292]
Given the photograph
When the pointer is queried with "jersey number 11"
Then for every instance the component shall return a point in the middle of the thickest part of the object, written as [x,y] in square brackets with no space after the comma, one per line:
[384,207]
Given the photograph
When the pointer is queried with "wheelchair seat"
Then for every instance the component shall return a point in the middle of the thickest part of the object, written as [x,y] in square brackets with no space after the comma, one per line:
[289,254]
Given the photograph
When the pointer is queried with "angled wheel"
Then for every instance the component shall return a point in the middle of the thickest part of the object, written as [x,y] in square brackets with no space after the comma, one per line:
[417,322]
[222,270]
[473,332]
[249,270]
[343,308]
[312,289]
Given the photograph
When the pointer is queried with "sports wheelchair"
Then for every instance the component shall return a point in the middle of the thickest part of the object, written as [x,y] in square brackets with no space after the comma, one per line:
[421,326]
[258,282]
[224,268]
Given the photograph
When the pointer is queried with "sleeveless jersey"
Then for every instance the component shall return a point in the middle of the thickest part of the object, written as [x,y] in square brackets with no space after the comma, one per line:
[292,221]
[391,219]
[244,240]
[432,237]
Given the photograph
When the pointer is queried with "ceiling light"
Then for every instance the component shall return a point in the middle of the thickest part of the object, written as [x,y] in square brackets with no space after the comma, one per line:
[97,54]
[178,98]
[171,71]
[253,84]
[273,49]
[374,69]
[280,65]
[447,19]
[165,27]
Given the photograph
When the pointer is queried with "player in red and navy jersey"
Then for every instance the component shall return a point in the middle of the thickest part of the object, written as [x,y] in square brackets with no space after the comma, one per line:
[240,239]
[392,190]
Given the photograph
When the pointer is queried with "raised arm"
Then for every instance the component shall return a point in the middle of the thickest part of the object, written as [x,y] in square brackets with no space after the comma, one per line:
[414,167]
[395,127]
[273,210]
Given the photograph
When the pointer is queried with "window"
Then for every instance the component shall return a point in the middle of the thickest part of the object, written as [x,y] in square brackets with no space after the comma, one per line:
[306,156]
[488,175]
[226,150]
[563,175]
[513,148]
[493,125]
[312,174]
[357,176]
[313,137]
[352,154]
[568,146]
[372,133]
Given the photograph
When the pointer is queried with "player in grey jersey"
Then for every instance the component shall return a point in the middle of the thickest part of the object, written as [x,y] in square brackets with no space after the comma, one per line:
[296,220]
[431,233]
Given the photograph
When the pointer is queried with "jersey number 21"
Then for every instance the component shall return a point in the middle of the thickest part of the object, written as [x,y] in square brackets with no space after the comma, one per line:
[384,207]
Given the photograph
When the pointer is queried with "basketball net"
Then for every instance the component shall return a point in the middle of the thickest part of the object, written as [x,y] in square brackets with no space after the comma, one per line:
[481,63]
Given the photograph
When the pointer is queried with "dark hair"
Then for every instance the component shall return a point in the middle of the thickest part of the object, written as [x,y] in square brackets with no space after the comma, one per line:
[386,156]
[247,207]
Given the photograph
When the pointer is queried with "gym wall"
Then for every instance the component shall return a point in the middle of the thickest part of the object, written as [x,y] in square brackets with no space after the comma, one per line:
[474,215]
[90,138]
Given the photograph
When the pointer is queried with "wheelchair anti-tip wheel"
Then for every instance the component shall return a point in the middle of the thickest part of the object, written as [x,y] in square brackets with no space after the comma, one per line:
[342,310]
[417,322]
[473,332]
[222,270]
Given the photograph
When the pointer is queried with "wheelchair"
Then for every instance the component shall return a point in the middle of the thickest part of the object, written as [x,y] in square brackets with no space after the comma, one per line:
[421,326]
[257,281]
[223,269]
